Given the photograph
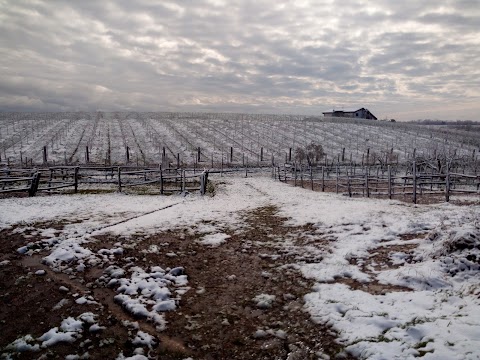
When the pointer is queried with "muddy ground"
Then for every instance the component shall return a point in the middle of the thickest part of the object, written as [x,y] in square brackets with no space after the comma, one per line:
[216,319]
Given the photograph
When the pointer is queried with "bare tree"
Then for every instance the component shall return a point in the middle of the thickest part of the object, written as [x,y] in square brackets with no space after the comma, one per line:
[314,153]
[300,155]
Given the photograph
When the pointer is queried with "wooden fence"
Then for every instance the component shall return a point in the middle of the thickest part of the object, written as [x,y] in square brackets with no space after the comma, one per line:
[61,177]
[379,181]
[14,180]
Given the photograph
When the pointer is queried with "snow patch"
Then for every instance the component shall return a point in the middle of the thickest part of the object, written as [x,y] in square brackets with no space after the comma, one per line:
[214,239]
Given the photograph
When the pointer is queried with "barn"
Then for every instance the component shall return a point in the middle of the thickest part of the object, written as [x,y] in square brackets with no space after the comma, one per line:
[358,114]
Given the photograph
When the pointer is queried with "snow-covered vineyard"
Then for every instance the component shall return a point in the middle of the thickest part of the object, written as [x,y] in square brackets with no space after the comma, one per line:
[261,270]
[159,138]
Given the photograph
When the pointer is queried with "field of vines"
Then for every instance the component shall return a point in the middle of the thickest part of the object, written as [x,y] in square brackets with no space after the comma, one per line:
[210,139]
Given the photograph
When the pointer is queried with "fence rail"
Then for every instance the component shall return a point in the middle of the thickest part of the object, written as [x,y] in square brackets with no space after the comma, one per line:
[386,181]
[62,177]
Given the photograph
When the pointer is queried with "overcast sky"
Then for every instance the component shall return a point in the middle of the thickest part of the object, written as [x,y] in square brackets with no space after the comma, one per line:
[402,59]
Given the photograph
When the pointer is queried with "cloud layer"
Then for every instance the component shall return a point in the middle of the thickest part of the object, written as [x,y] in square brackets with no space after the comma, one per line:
[405,60]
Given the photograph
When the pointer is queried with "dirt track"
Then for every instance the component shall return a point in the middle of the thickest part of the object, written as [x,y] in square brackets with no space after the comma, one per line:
[216,319]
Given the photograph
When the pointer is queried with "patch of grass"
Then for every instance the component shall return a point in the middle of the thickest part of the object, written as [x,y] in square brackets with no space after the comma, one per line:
[415,321]
[421,345]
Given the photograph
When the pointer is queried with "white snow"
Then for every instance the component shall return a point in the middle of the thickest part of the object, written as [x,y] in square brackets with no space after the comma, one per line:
[134,357]
[144,339]
[69,331]
[146,294]
[214,239]
[24,344]
[264,301]
[60,304]
[438,318]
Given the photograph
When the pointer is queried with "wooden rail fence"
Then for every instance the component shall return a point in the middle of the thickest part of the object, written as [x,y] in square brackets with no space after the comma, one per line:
[375,181]
[60,177]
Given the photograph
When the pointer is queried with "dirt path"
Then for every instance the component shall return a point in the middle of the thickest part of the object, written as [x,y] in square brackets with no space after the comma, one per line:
[222,316]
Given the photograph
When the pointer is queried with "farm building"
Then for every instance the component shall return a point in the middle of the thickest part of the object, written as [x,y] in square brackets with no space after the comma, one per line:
[359,114]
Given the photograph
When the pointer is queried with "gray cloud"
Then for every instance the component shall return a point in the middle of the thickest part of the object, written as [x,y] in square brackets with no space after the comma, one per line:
[406,59]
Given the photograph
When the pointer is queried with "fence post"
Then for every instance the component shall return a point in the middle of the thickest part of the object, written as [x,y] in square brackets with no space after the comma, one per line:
[349,186]
[45,155]
[311,177]
[336,182]
[34,185]
[50,179]
[366,182]
[295,174]
[414,181]
[447,185]
[119,180]
[205,182]
[183,180]
[323,179]
[204,179]
[76,179]
[161,181]
[301,175]
[389,182]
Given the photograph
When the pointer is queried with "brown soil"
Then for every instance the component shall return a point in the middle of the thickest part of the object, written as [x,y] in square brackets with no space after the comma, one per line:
[215,319]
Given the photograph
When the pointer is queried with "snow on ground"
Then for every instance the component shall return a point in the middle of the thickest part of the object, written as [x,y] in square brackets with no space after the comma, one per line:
[147,289]
[93,211]
[69,331]
[214,239]
[435,314]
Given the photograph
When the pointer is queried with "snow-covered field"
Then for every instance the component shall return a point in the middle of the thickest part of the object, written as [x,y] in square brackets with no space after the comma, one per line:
[253,138]
[391,280]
